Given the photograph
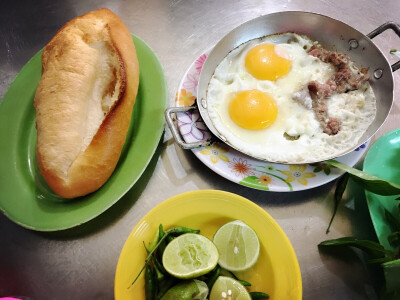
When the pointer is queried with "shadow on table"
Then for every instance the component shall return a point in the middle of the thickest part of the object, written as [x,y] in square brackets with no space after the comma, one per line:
[116,211]
[349,263]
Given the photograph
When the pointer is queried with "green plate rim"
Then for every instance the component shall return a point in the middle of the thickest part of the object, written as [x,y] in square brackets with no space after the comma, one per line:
[25,198]
[377,203]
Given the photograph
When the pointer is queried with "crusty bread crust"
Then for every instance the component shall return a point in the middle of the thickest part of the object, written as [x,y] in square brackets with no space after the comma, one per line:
[80,137]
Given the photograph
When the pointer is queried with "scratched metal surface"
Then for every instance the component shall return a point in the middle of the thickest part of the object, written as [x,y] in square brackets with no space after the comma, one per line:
[80,263]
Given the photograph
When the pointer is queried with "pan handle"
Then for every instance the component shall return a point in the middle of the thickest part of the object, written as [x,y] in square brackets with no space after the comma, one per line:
[175,132]
[396,28]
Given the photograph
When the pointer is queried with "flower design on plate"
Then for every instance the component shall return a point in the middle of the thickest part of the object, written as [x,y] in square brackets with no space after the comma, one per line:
[192,124]
[241,167]
[216,152]
[321,166]
[200,62]
[270,168]
[185,98]
[264,179]
[296,172]
[191,82]
[361,147]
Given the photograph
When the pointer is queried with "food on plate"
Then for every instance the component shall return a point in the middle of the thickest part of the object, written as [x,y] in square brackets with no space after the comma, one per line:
[226,288]
[238,246]
[84,102]
[190,255]
[284,98]
[188,289]
[182,264]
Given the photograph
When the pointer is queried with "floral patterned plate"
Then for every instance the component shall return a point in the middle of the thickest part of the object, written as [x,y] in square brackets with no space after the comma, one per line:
[239,167]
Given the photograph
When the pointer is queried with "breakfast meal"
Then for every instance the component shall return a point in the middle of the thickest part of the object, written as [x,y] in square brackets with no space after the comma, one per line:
[183,264]
[284,98]
[84,102]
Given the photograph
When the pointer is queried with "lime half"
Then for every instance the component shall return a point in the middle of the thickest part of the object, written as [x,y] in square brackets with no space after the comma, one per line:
[190,255]
[226,288]
[238,246]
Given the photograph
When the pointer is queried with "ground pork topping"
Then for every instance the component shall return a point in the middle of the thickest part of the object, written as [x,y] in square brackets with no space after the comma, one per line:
[343,80]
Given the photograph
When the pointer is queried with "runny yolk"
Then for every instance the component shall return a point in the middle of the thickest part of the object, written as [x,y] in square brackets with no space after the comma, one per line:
[253,109]
[267,62]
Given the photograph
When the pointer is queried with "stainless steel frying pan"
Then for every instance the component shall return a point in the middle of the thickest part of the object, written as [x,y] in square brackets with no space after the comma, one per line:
[332,34]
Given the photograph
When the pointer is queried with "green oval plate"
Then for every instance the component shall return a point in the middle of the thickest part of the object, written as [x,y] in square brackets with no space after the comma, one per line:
[383,160]
[25,197]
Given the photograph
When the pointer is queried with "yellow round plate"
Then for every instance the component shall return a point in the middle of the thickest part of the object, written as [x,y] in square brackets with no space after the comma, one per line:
[276,272]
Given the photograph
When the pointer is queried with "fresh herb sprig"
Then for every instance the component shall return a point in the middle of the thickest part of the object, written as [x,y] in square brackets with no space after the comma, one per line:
[173,231]
[370,182]
[376,253]
[158,283]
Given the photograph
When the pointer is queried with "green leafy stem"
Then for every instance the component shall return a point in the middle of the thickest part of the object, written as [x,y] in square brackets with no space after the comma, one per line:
[376,253]
[370,182]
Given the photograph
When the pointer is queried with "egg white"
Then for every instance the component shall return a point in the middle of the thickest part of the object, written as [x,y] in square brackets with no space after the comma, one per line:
[293,118]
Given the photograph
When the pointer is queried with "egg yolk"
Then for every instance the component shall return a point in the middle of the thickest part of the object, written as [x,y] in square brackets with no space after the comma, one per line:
[267,62]
[253,109]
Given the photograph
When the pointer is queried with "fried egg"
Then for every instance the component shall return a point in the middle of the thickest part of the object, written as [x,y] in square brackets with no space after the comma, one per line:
[250,102]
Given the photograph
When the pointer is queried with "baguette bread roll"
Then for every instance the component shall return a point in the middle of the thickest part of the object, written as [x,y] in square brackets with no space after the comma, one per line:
[84,102]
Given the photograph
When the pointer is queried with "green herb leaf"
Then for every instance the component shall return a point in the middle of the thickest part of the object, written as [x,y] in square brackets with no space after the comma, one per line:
[372,249]
[371,183]
[340,188]
[393,50]
[393,222]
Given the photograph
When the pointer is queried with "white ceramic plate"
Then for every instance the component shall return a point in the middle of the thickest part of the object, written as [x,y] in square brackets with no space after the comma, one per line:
[239,167]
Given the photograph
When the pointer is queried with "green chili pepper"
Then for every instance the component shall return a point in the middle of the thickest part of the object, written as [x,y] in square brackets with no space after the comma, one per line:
[258,295]
[214,274]
[165,285]
[225,272]
[170,239]
[181,230]
[244,282]
[158,269]
[150,284]
[163,244]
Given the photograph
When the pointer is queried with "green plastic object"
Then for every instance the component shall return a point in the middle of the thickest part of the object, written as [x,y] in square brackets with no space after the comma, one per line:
[25,197]
[383,160]
[391,270]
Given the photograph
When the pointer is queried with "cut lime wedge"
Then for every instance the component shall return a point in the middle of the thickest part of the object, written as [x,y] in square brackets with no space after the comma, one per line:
[190,255]
[238,246]
[226,288]
[189,289]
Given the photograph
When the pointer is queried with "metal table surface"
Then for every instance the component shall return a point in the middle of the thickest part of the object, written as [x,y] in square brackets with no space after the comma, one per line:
[80,263]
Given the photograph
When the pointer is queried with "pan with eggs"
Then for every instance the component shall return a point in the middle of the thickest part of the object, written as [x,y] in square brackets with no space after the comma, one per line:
[251,102]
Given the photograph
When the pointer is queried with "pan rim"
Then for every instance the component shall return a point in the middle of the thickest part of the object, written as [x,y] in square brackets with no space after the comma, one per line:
[205,77]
